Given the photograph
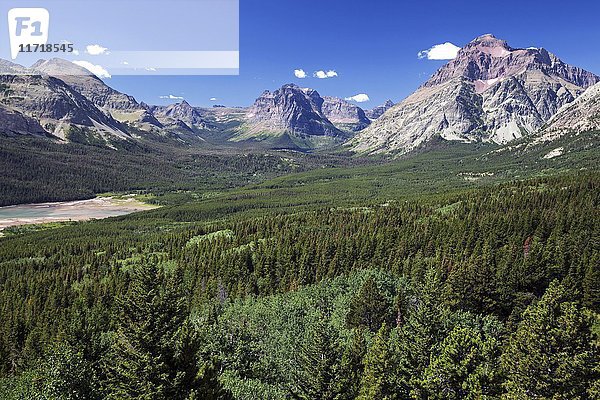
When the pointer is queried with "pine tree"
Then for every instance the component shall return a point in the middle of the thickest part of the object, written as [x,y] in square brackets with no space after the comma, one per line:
[369,308]
[553,353]
[591,285]
[319,363]
[465,366]
[376,383]
[351,366]
[422,329]
[153,354]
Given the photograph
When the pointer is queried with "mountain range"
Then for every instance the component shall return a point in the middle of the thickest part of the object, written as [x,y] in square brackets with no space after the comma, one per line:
[490,92]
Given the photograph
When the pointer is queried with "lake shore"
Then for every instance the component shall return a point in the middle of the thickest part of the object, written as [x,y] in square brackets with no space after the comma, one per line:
[79,210]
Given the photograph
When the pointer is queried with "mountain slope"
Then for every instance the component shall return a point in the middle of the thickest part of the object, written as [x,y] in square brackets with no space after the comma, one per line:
[574,129]
[87,84]
[581,115]
[55,105]
[14,122]
[490,92]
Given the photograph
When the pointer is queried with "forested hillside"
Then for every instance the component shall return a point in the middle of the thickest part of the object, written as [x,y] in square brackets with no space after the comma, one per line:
[37,170]
[480,293]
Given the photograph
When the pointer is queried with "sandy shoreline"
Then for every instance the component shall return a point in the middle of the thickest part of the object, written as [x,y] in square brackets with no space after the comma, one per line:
[79,210]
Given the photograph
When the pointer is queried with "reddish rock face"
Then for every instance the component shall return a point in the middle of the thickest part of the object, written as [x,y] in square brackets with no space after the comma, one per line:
[488,59]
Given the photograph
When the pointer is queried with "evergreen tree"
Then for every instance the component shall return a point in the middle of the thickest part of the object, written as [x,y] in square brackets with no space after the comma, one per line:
[369,307]
[376,383]
[591,285]
[319,363]
[553,353]
[153,354]
[422,329]
[465,366]
[351,366]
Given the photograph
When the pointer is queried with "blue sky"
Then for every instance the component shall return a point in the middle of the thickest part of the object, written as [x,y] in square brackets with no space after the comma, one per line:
[372,45]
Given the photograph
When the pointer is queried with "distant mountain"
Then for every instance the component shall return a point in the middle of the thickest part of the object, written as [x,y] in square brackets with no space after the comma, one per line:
[69,107]
[290,117]
[87,84]
[378,111]
[181,115]
[10,68]
[56,106]
[146,117]
[490,92]
[344,115]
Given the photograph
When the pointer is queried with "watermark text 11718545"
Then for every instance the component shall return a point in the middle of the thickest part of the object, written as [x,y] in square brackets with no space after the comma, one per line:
[46,48]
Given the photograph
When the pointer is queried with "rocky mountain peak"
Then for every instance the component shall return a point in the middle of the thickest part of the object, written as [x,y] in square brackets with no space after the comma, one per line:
[290,111]
[87,84]
[176,113]
[60,67]
[288,103]
[487,41]
[378,111]
[8,67]
[344,114]
[489,92]
[488,60]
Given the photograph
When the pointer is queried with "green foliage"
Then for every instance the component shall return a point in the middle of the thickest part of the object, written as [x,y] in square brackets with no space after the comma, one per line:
[351,366]
[62,374]
[376,382]
[553,353]
[319,360]
[225,234]
[369,308]
[153,350]
[272,346]
[41,170]
[465,364]
[451,286]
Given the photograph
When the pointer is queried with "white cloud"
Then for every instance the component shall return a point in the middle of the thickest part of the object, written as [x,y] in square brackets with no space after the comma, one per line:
[76,52]
[172,97]
[96,50]
[150,69]
[213,99]
[300,73]
[324,74]
[444,51]
[125,63]
[97,70]
[359,98]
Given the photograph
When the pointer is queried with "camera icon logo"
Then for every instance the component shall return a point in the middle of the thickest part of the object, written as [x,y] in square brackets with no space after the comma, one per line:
[27,26]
